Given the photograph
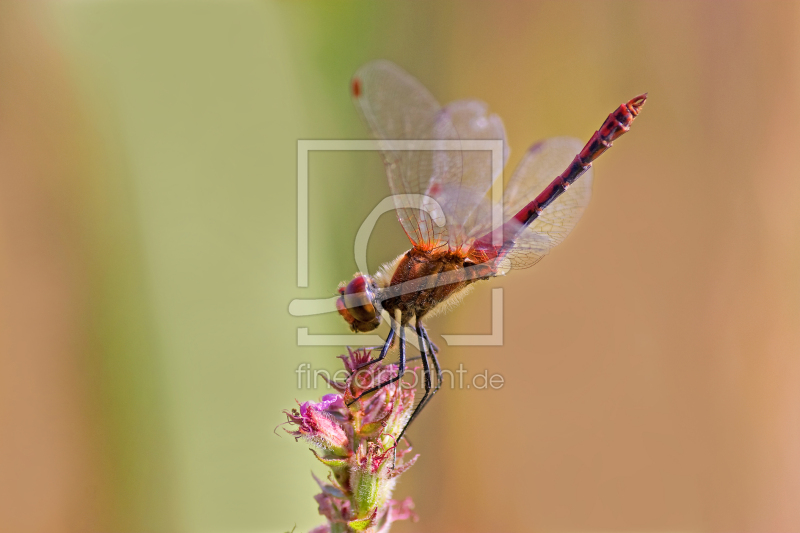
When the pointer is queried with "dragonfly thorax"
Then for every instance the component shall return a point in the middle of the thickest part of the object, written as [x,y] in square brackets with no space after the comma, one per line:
[424,279]
[416,284]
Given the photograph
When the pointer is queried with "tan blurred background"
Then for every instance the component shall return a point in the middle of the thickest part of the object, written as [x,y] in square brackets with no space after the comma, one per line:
[148,257]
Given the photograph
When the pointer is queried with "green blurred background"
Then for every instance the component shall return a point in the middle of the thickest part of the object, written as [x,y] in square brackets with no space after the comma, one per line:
[148,258]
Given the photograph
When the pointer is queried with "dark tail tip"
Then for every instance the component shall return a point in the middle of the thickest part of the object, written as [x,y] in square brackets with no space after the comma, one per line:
[636,104]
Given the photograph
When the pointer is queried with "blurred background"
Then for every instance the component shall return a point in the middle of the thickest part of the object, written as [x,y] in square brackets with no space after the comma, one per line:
[148,258]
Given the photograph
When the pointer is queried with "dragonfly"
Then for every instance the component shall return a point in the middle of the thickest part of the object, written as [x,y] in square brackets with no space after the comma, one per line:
[441,199]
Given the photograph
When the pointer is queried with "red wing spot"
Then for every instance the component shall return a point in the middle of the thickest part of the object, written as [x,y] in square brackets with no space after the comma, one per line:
[356,87]
[435,189]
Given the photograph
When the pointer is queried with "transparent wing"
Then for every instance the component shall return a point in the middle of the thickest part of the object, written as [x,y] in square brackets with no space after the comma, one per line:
[395,106]
[463,198]
[543,162]
[436,191]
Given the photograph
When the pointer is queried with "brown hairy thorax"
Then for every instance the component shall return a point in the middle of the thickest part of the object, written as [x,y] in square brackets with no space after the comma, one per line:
[421,271]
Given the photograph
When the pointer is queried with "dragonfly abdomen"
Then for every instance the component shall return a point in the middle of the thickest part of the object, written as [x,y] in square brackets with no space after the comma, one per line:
[616,124]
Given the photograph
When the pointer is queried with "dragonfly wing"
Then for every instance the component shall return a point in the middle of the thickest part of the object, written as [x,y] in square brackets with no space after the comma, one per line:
[397,107]
[462,195]
[543,162]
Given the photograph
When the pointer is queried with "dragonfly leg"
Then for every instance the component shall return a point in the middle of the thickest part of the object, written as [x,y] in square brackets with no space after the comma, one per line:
[435,360]
[384,350]
[434,348]
[427,370]
[401,368]
[416,357]
[431,345]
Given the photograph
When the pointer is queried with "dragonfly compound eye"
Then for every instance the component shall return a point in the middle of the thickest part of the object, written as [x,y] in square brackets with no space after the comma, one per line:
[359,298]
[356,325]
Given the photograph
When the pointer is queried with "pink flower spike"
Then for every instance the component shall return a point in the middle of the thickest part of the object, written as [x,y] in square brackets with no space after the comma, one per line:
[360,448]
[318,428]
[330,402]
[355,359]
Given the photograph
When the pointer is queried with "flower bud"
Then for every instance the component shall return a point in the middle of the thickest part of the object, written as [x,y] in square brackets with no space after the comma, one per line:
[368,479]
[319,428]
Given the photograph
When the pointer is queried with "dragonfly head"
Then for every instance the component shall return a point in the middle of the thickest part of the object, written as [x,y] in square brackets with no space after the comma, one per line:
[357,304]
